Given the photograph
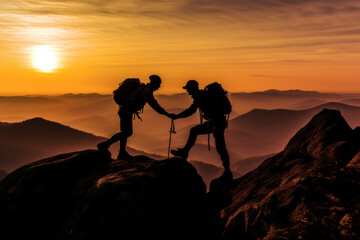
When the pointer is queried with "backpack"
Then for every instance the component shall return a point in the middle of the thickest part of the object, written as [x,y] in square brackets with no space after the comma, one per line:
[218,98]
[125,88]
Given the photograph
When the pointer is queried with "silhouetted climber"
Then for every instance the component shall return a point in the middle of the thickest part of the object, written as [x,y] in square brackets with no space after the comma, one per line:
[213,105]
[132,104]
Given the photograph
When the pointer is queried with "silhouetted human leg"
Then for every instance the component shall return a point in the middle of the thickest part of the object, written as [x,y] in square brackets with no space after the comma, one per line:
[204,128]
[126,131]
[219,130]
[221,147]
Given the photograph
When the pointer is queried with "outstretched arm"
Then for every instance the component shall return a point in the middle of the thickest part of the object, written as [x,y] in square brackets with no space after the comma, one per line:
[149,97]
[188,112]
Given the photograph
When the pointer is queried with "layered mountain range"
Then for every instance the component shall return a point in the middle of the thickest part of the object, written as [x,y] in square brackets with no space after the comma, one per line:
[36,138]
[261,124]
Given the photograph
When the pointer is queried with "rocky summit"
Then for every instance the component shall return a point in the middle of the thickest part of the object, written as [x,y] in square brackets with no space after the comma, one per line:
[86,195]
[310,190]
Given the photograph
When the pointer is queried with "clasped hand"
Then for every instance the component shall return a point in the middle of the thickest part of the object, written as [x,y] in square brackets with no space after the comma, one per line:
[172,116]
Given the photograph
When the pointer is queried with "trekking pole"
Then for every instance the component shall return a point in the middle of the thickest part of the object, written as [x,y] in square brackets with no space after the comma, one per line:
[172,130]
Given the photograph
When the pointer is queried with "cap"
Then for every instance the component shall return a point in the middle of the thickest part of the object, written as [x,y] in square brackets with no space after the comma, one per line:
[191,84]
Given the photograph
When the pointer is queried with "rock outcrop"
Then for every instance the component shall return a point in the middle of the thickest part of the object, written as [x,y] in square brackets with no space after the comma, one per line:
[2,174]
[86,195]
[311,190]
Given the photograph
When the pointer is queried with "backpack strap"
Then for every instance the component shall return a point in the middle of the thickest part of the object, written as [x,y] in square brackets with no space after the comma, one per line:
[201,116]
[137,114]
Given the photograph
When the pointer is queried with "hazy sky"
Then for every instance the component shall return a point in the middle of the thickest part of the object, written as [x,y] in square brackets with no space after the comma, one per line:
[248,45]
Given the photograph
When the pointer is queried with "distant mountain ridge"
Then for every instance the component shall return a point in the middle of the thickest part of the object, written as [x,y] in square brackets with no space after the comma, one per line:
[286,93]
[276,126]
[38,138]
[275,115]
[28,100]
[30,124]
[292,92]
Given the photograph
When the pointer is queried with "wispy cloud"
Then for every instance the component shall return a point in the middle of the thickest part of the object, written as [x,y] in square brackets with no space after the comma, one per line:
[187,30]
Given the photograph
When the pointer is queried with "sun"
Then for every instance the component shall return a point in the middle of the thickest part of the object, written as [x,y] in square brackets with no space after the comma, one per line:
[44,58]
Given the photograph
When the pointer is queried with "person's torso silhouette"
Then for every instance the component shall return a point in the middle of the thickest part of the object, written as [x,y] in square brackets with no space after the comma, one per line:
[132,105]
[215,123]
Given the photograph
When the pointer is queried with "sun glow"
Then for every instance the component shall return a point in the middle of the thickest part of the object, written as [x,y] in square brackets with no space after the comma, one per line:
[44,58]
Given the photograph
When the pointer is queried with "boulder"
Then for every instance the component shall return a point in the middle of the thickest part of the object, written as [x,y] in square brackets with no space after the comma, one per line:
[87,195]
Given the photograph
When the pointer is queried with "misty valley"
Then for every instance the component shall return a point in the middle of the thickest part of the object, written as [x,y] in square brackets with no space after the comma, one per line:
[35,127]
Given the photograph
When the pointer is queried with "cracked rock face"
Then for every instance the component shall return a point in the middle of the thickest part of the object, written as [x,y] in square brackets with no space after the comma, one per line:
[311,190]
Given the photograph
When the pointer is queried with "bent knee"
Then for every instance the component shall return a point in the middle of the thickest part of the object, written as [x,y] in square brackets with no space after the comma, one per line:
[194,130]
[127,133]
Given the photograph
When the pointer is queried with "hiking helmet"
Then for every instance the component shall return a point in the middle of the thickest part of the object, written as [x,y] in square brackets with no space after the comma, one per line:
[155,79]
[191,84]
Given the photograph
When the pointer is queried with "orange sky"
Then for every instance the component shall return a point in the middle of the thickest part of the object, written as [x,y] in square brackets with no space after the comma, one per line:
[245,44]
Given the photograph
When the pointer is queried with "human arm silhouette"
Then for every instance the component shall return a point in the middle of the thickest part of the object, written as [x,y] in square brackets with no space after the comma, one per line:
[187,112]
[150,99]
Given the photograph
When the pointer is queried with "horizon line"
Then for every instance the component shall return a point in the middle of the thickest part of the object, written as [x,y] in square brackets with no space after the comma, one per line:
[169,94]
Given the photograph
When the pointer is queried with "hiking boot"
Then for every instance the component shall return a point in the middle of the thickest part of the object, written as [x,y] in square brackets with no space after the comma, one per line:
[180,152]
[124,156]
[103,146]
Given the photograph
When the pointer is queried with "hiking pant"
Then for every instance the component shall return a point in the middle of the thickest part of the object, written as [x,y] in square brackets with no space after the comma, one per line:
[126,130]
[217,129]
